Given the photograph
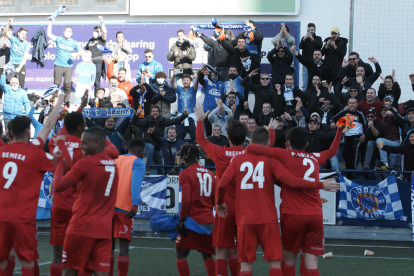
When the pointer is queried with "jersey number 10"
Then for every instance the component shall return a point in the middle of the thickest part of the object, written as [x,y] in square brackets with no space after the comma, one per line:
[205,183]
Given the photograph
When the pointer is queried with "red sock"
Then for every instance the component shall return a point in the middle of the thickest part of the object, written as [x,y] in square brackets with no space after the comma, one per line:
[36,268]
[221,267]
[123,263]
[111,267]
[289,270]
[55,269]
[275,271]
[210,266]
[282,262]
[313,272]
[2,272]
[84,273]
[182,267]
[28,271]
[302,268]
[10,266]
[233,264]
[246,273]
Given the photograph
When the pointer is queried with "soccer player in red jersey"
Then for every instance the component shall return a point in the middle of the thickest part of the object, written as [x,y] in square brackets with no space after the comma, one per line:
[74,126]
[197,189]
[224,234]
[301,210]
[88,240]
[22,169]
[256,214]
[131,174]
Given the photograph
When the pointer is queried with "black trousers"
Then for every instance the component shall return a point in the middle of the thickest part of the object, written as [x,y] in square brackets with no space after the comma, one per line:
[351,151]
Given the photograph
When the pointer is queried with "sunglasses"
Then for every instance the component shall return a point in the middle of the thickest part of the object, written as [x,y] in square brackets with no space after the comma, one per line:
[353,90]
[265,78]
[352,59]
[280,51]
[326,103]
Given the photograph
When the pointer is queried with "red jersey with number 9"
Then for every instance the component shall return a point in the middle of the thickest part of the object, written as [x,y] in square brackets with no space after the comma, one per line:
[93,210]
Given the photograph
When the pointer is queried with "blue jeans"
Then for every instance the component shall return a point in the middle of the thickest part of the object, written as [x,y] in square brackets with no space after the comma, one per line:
[383,154]
[149,153]
[334,162]
[369,152]
[305,77]
[154,157]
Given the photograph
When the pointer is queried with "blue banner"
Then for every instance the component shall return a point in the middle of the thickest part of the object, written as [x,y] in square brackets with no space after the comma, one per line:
[45,197]
[153,197]
[108,112]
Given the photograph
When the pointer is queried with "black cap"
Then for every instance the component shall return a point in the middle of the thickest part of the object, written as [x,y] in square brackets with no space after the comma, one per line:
[279,118]
[371,111]
[383,107]
[314,120]
[410,109]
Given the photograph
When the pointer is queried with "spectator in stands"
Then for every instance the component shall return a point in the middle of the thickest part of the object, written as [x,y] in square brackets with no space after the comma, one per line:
[148,68]
[412,81]
[187,98]
[286,95]
[182,53]
[354,63]
[263,93]
[241,58]
[51,104]
[262,118]
[123,83]
[66,48]
[281,129]
[234,83]
[288,40]
[164,94]
[361,81]
[113,92]
[213,89]
[230,100]
[371,103]
[123,51]
[317,88]
[309,43]
[391,138]
[353,92]
[334,51]
[317,140]
[99,38]
[5,45]
[406,125]
[142,95]
[316,66]
[169,148]
[372,133]
[251,126]
[14,98]
[101,101]
[216,139]
[390,88]
[244,118]
[353,136]
[220,116]
[325,107]
[157,122]
[299,115]
[280,58]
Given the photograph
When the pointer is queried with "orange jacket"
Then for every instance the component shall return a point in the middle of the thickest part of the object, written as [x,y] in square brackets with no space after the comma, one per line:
[125,85]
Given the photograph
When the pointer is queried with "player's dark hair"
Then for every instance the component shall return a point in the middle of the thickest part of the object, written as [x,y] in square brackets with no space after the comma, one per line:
[19,126]
[354,54]
[260,136]
[298,138]
[135,144]
[97,133]
[73,121]
[236,132]
[187,153]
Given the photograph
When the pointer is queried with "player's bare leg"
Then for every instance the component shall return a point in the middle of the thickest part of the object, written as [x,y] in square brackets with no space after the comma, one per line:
[11,263]
[69,272]
[224,254]
[182,265]
[209,264]
[246,268]
[100,273]
[275,268]
[311,262]
[290,263]
[123,257]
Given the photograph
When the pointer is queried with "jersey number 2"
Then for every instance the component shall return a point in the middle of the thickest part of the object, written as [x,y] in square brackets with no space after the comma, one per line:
[110,169]
[10,176]
[205,184]
[307,161]
[257,175]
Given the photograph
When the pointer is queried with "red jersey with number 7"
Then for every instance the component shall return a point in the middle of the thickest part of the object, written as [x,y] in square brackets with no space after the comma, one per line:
[93,210]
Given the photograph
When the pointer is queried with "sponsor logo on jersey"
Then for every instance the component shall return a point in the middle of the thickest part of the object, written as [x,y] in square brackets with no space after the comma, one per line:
[104,264]
[369,202]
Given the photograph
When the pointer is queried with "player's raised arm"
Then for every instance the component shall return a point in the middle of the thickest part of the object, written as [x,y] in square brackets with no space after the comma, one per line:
[64,182]
[110,149]
[47,127]
[205,144]
[335,145]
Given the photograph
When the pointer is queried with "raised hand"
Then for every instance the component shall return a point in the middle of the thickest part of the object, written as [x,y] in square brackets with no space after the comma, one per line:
[345,63]
[199,112]
[246,105]
[372,59]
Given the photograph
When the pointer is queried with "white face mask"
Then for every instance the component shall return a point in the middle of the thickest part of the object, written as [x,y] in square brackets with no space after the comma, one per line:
[86,58]
[160,81]
[95,34]
[67,34]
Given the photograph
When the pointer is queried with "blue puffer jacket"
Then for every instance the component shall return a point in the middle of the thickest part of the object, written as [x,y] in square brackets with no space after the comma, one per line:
[13,100]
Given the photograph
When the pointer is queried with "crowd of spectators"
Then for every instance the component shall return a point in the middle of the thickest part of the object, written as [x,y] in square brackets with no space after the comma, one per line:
[333,86]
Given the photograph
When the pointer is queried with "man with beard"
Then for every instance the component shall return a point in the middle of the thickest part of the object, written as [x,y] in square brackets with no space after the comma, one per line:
[263,93]
[372,133]
[262,118]
[354,63]
[371,103]
[182,53]
[230,100]
[123,83]
[325,107]
[280,63]
[312,92]
[234,82]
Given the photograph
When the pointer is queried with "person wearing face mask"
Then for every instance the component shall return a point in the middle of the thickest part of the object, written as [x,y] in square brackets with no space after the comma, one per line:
[182,53]
[99,38]
[19,51]
[234,83]
[122,50]
[114,91]
[316,66]
[164,94]
[66,48]
[390,88]
[149,67]
[84,76]
[5,45]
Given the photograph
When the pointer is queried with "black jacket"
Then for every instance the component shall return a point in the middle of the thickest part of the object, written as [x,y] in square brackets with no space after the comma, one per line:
[262,94]
[335,56]
[405,125]
[135,94]
[239,108]
[308,46]
[325,70]
[280,140]
[395,93]
[261,119]
[315,106]
[319,140]
[282,107]
[236,56]
[350,71]
[258,39]
[311,93]
[221,57]
[368,81]
[408,150]
[39,46]
[163,102]
[280,66]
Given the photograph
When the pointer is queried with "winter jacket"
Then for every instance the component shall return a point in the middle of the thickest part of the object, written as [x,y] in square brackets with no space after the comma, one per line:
[311,93]
[220,56]
[394,93]
[39,46]
[254,47]
[261,119]
[169,149]
[308,46]
[290,40]
[122,53]
[13,100]
[240,106]
[350,71]
[408,150]
[262,94]
[335,56]
[404,124]
[180,61]
[282,107]
[135,94]
[280,66]
[325,70]
[318,140]
[325,116]
[163,102]
[368,81]
[236,55]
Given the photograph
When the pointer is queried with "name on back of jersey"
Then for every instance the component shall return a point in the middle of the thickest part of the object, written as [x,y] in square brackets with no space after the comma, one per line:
[234,152]
[12,155]
[202,170]
[304,155]
[107,162]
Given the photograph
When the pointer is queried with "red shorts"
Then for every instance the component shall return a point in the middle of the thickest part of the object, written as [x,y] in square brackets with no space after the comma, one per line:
[89,254]
[306,232]
[225,232]
[195,241]
[20,236]
[122,226]
[249,236]
[58,225]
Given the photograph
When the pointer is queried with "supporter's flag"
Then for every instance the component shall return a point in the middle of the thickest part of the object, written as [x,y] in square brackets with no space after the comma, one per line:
[62,9]
[104,49]
[347,120]
[191,34]
[45,202]
[412,201]
[50,91]
[379,202]
[250,32]
[215,24]
[9,67]
[153,197]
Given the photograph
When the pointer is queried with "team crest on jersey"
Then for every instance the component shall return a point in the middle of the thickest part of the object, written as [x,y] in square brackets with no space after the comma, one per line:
[369,202]
[48,187]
